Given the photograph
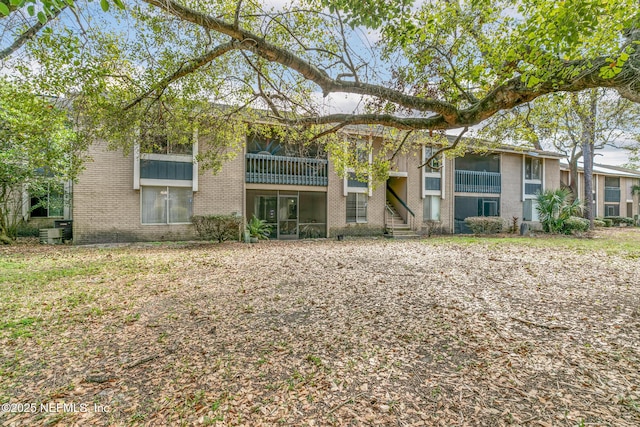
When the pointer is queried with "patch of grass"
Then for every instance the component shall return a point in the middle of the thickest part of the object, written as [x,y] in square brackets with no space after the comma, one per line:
[131,318]
[28,276]
[20,328]
[76,299]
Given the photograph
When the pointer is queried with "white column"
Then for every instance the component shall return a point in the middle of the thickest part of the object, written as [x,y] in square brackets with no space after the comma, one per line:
[194,179]
[136,166]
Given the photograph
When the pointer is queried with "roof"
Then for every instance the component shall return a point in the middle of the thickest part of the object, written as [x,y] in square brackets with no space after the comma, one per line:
[606,170]
[378,131]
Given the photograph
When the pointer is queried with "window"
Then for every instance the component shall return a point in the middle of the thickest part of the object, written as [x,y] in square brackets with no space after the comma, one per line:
[353,182]
[49,202]
[434,165]
[479,163]
[431,211]
[357,207]
[431,172]
[612,181]
[611,210]
[157,138]
[362,151]
[166,205]
[532,168]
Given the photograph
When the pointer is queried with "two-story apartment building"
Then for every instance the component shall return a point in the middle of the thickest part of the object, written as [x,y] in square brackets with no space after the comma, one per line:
[613,189]
[152,196]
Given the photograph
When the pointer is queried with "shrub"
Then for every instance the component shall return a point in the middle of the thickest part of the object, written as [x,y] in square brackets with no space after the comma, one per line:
[357,230]
[555,207]
[217,227]
[484,224]
[599,223]
[24,229]
[575,224]
[619,220]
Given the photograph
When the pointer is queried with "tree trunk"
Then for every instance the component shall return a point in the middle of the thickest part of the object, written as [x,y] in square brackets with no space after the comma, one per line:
[573,177]
[587,150]
[588,118]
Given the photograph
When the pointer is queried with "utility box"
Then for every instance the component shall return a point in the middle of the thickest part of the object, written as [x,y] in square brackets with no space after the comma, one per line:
[51,236]
[67,228]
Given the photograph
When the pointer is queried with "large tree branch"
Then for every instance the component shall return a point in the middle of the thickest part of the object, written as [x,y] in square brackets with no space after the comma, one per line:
[273,53]
[509,94]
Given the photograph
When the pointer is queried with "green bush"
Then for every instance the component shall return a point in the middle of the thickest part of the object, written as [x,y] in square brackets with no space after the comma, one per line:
[555,207]
[217,227]
[575,224]
[619,220]
[357,230]
[24,229]
[484,224]
[599,223]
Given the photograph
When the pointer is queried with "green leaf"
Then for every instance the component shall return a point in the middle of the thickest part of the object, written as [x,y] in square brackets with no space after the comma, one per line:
[104,4]
[532,81]
[31,10]
[42,18]
[4,9]
[17,3]
[119,4]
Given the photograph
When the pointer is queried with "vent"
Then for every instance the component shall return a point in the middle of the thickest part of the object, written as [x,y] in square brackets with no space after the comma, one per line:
[51,236]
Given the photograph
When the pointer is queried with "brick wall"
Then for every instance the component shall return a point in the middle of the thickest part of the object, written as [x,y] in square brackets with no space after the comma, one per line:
[511,183]
[107,209]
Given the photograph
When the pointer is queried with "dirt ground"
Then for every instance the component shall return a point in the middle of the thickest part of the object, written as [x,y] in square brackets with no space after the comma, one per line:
[444,331]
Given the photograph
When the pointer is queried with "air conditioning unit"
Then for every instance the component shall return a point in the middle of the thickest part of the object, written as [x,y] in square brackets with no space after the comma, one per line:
[51,236]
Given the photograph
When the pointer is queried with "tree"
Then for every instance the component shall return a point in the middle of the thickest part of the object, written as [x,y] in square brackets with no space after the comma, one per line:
[37,145]
[438,65]
[572,124]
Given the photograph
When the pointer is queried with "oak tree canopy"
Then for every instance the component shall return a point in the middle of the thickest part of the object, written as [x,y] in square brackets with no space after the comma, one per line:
[417,65]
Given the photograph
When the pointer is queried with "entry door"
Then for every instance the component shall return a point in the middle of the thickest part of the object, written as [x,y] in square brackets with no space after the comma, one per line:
[266,208]
[288,217]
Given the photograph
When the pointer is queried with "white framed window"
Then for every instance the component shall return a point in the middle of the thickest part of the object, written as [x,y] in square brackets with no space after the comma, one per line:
[363,155]
[48,201]
[431,208]
[533,170]
[166,205]
[357,207]
[431,173]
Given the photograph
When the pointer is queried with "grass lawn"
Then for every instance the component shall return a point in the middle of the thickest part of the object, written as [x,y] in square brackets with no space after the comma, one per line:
[443,331]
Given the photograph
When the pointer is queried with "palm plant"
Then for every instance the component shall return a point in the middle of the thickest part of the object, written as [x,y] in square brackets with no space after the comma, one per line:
[555,207]
[258,228]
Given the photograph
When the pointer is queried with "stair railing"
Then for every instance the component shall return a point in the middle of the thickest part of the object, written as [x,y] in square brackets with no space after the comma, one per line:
[410,219]
[388,213]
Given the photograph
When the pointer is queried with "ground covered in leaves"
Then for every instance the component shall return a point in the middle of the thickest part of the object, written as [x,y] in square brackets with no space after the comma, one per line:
[444,331]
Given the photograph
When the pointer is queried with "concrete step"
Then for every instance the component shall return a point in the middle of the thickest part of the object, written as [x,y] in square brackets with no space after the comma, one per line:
[406,236]
[399,227]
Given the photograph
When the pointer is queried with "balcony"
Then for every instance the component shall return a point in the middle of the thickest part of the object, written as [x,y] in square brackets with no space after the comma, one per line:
[268,169]
[477,182]
[612,194]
